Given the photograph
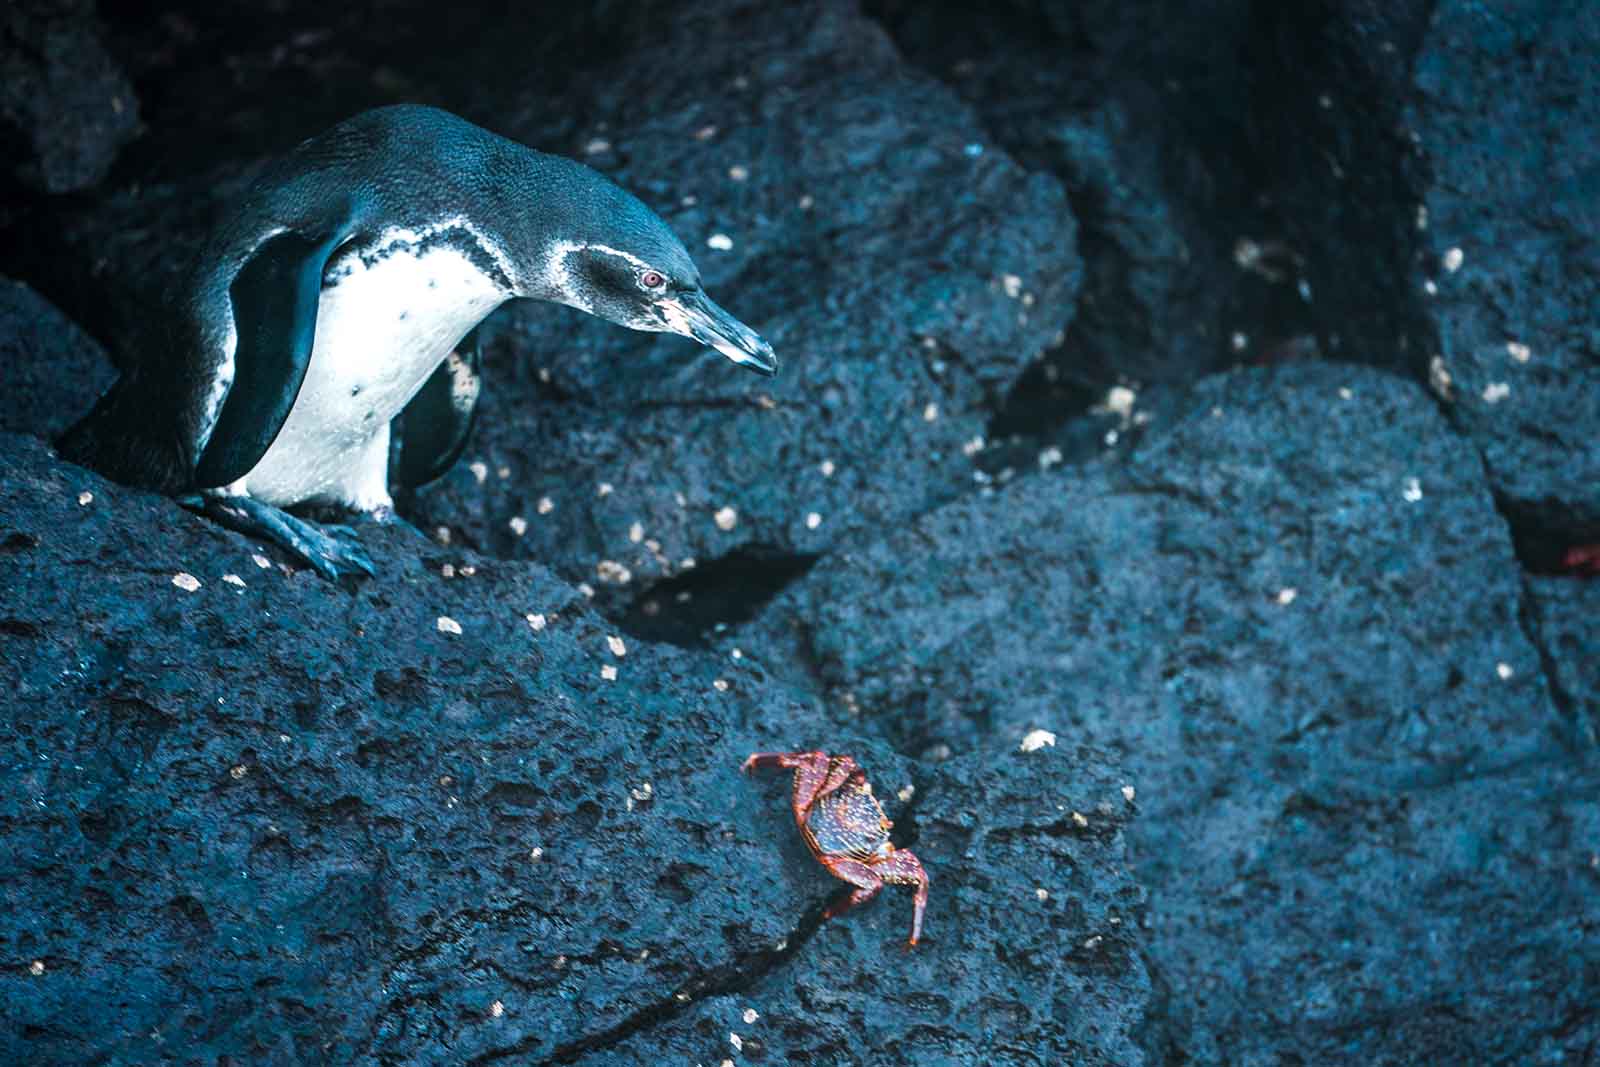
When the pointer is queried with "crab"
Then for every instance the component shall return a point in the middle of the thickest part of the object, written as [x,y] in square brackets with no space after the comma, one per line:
[843,825]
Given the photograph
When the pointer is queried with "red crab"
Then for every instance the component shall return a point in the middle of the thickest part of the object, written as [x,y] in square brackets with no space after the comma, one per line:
[844,827]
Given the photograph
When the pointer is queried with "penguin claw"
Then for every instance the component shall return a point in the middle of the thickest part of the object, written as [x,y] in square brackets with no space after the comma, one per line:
[334,551]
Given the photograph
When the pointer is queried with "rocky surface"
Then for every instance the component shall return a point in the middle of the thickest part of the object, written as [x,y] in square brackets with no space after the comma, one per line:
[1513,219]
[52,366]
[66,107]
[261,819]
[1308,638]
[1296,618]
[905,270]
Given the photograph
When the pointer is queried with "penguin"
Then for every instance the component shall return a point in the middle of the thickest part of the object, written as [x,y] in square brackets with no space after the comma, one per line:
[323,349]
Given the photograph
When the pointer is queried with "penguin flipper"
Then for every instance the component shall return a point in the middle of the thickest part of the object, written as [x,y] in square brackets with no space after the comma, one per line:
[430,434]
[275,296]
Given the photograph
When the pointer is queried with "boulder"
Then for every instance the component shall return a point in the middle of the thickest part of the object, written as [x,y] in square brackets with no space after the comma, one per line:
[1295,617]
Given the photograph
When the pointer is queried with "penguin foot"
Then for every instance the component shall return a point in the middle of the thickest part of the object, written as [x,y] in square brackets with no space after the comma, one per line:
[333,551]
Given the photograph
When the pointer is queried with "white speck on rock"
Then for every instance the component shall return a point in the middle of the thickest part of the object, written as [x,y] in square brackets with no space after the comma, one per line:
[1012,284]
[545,505]
[447,570]
[705,133]
[721,242]
[906,792]
[1430,287]
[617,645]
[739,173]
[727,518]
[518,524]
[1345,392]
[1119,400]
[480,470]
[497,1009]
[1452,260]
[609,672]
[720,685]
[1504,671]
[750,1015]
[85,498]
[1495,392]
[233,579]
[930,413]
[736,1041]
[973,447]
[1412,491]
[238,772]
[1128,793]
[1036,740]
[1518,351]
[604,489]
[1286,595]
[1050,457]
[813,520]
[186,581]
[636,532]
[586,589]
[36,968]
[1422,216]
[612,572]
[1042,893]
[536,620]
[447,625]
[1439,379]
[596,146]
[1079,820]
[827,468]
[1239,341]
[537,854]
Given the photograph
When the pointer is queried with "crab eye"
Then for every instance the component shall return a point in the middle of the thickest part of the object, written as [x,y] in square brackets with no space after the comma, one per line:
[652,280]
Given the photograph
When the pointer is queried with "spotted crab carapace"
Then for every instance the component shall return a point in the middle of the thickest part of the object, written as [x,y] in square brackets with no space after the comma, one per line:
[844,826]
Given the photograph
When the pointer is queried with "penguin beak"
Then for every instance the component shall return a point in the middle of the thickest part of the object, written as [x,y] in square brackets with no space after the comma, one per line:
[696,315]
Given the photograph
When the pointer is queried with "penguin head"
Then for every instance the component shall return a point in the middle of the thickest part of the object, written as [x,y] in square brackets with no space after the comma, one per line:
[636,273]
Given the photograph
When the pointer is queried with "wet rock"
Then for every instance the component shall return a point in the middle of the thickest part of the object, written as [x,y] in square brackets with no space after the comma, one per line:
[258,818]
[1506,109]
[1294,616]
[52,368]
[905,270]
[66,108]
[1242,185]
[1039,894]
[1564,614]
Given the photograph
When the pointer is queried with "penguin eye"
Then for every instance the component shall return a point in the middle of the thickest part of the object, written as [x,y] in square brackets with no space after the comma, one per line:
[652,280]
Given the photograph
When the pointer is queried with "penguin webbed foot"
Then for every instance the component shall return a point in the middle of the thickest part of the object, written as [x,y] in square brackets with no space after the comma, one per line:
[332,550]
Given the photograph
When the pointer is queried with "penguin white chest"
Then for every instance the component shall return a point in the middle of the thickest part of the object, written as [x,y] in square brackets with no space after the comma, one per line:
[388,316]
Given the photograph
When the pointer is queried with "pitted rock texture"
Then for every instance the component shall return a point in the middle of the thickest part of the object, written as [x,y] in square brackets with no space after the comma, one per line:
[257,818]
[1295,616]
[905,270]
[52,366]
[66,108]
[1051,984]
[1507,103]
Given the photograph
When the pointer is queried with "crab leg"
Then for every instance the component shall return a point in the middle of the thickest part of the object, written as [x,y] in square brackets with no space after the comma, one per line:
[858,874]
[901,867]
[816,774]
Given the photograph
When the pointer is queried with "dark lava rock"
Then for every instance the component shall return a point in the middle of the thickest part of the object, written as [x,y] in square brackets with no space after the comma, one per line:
[905,270]
[1295,616]
[1035,958]
[1508,104]
[255,818]
[1565,614]
[52,367]
[66,108]
[1238,171]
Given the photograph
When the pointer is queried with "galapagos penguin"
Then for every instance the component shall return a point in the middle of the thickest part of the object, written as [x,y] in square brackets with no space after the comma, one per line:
[324,344]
